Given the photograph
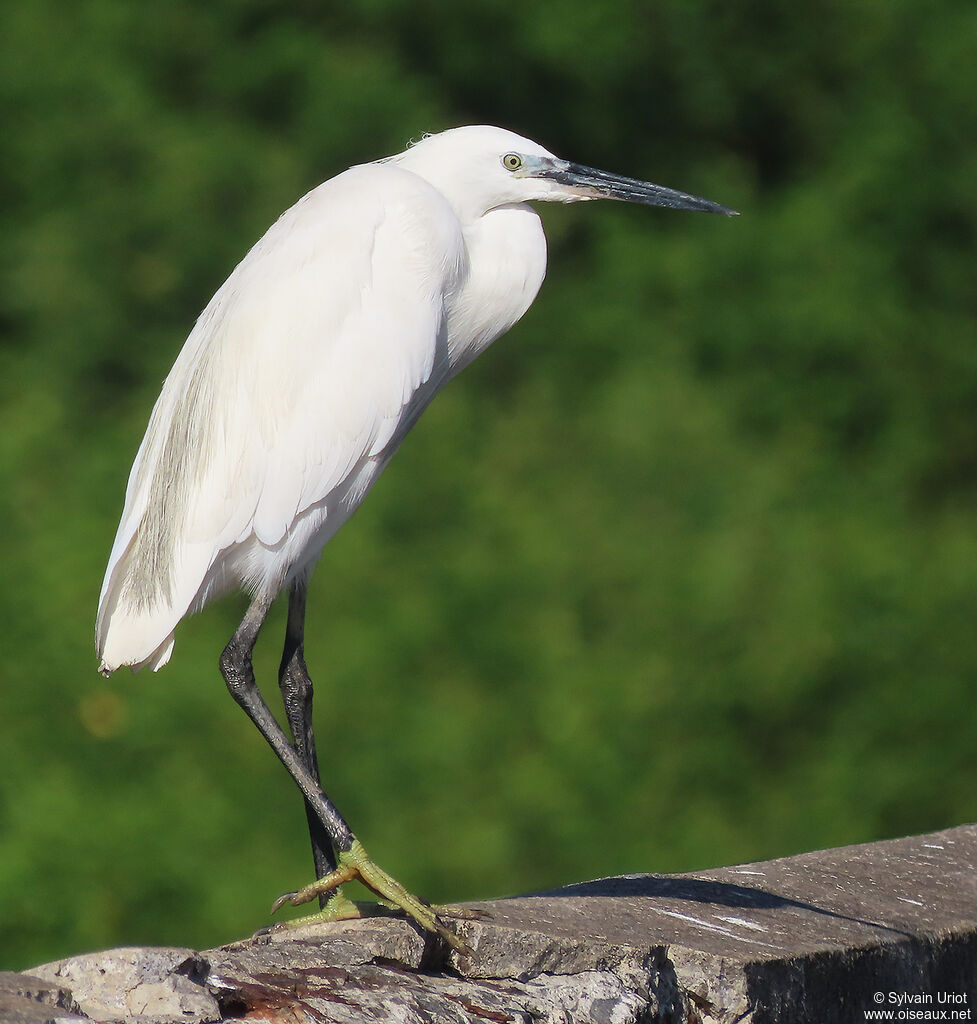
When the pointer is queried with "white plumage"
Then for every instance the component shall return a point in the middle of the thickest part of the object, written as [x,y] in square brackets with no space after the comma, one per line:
[305,371]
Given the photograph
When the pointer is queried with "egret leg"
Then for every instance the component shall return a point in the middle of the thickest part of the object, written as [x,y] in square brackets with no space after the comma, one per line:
[353,861]
[296,689]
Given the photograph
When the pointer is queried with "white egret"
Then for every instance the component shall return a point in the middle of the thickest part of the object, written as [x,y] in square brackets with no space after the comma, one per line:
[296,386]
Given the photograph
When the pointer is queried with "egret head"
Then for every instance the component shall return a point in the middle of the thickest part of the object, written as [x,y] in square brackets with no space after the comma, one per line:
[479,168]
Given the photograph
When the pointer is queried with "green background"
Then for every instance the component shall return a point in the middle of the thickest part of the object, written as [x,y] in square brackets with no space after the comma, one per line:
[682,572]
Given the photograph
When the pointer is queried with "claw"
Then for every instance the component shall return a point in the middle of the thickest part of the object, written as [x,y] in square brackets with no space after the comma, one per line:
[286,897]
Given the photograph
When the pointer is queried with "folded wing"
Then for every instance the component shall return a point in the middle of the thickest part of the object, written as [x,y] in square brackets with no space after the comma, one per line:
[297,381]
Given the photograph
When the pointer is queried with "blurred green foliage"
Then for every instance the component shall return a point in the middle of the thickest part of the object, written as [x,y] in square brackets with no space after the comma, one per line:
[682,572]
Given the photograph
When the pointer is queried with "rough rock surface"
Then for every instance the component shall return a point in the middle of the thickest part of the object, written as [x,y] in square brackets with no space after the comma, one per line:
[819,938]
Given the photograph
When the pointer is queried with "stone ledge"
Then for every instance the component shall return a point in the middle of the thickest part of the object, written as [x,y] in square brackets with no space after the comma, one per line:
[819,938]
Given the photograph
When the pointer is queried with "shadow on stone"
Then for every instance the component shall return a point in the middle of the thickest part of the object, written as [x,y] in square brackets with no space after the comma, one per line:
[696,890]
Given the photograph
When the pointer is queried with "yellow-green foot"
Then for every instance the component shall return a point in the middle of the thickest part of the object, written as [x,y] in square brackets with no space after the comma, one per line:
[338,908]
[356,863]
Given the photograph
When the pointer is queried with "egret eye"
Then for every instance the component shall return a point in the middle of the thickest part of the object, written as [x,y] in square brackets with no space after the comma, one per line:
[512,161]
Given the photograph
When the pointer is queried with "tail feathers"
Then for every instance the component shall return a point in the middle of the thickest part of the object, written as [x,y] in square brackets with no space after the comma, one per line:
[135,627]
[137,639]
[119,652]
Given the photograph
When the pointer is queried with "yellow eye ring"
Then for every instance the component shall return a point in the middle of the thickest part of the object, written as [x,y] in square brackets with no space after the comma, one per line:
[512,161]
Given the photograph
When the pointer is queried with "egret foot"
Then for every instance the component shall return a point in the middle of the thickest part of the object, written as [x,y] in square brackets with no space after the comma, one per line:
[356,863]
[339,907]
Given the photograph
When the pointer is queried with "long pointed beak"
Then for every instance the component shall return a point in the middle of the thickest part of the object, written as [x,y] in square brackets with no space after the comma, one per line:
[590,183]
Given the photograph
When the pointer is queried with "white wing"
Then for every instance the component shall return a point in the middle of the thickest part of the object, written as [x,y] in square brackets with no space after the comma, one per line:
[295,385]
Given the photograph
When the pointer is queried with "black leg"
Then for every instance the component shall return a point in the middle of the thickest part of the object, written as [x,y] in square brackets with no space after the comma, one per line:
[238,673]
[296,688]
[352,860]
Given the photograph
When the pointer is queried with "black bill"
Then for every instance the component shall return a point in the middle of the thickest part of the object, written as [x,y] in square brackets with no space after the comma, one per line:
[596,184]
